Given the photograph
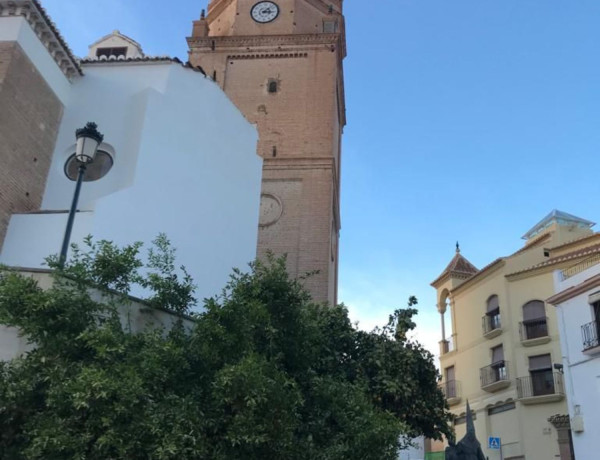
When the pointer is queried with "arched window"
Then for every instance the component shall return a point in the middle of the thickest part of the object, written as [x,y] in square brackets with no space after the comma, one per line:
[534,320]
[492,314]
[272,86]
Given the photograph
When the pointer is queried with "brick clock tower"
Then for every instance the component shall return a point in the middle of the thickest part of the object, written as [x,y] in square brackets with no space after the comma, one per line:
[280,62]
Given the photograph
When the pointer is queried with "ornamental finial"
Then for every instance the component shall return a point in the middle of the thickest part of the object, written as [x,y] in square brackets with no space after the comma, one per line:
[90,130]
[457,247]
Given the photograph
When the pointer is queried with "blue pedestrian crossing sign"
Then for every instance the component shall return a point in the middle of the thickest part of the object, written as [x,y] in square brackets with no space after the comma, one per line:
[494,443]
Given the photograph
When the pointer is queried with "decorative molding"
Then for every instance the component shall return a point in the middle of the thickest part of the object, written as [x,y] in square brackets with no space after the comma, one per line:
[560,421]
[271,209]
[268,56]
[292,40]
[46,31]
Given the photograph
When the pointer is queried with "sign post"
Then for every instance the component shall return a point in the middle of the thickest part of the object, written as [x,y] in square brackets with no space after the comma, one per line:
[495,443]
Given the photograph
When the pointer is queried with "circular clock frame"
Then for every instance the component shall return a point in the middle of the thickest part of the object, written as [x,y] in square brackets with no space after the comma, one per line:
[271,209]
[256,12]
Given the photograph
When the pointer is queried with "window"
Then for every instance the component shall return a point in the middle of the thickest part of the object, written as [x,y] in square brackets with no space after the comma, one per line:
[117,51]
[542,377]
[450,383]
[591,331]
[272,86]
[492,319]
[330,27]
[534,320]
[501,408]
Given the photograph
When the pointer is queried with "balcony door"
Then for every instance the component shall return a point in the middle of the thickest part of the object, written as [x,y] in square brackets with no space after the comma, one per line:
[542,377]
[498,364]
[450,383]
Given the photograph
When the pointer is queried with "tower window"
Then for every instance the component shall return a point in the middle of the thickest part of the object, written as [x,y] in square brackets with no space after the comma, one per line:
[272,86]
[119,51]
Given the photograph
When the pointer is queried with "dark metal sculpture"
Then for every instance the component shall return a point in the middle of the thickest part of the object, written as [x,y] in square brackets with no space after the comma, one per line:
[468,448]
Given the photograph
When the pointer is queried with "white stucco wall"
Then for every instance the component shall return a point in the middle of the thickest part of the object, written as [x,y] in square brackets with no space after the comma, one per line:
[134,316]
[185,164]
[582,371]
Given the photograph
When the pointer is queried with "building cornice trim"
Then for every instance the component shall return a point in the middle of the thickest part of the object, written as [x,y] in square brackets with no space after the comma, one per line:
[46,31]
[293,40]
[268,56]
[574,291]
[548,264]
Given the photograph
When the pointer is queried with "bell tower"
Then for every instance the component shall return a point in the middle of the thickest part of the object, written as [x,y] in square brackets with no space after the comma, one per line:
[280,62]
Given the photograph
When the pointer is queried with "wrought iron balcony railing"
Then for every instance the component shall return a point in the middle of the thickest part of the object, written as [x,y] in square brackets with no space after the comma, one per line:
[591,335]
[542,383]
[534,328]
[490,323]
[494,373]
[451,389]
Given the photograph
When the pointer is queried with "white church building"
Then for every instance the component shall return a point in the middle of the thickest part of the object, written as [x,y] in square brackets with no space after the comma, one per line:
[177,157]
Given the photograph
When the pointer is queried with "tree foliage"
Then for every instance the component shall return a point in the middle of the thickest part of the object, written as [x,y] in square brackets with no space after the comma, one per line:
[263,373]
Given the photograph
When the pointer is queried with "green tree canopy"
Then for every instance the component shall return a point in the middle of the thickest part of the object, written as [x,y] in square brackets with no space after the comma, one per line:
[264,373]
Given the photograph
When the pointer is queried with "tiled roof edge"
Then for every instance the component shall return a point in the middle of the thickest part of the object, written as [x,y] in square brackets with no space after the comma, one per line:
[46,31]
[122,60]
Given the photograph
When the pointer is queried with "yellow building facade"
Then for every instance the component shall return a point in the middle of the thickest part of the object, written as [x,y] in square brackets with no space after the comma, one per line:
[500,346]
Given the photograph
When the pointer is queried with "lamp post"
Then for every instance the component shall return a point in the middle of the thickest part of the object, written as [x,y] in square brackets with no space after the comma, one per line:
[88,140]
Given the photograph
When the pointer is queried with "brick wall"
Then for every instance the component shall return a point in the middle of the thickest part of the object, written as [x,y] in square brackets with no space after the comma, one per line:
[299,131]
[30,114]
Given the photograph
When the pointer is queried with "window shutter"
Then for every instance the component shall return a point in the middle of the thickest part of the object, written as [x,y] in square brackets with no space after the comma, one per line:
[450,374]
[492,303]
[497,354]
[534,310]
[540,362]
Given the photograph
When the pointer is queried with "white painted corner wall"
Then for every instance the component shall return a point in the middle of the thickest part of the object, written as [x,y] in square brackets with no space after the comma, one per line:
[185,164]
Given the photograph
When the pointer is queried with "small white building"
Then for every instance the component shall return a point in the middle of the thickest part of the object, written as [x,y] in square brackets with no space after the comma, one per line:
[178,158]
[577,302]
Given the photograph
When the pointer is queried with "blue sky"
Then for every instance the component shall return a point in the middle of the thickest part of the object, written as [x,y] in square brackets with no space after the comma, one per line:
[468,120]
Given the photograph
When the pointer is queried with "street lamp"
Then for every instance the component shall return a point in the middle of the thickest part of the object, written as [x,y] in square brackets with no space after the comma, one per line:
[88,140]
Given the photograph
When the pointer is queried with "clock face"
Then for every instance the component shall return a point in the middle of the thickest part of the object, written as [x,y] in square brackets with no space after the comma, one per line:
[264,12]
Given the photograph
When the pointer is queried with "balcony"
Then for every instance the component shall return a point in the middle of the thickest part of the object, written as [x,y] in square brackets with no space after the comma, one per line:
[451,390]
[492,327]
[540,387]
[447,345]
[494,377]
[534,332]
[591,337]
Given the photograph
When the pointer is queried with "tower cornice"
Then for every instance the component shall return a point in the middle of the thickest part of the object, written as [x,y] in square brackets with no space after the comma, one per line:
[291,40]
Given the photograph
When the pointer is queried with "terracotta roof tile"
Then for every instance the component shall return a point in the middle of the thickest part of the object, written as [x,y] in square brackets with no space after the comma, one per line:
[119,60]
[459,266]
